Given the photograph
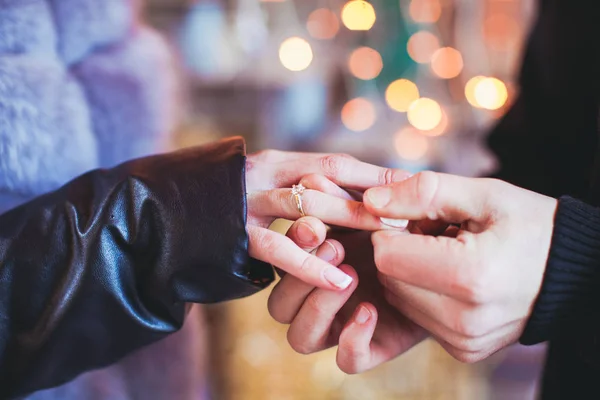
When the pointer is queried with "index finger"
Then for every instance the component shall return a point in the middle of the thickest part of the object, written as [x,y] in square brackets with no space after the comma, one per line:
[281,252]
[431,195]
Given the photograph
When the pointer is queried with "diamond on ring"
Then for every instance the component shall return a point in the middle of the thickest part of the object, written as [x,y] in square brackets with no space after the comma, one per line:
[297,191]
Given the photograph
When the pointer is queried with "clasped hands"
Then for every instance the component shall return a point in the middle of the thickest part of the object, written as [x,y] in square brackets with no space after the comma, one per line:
[466,270]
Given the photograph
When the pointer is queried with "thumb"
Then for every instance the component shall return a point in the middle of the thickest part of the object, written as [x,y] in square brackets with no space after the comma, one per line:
[431,195]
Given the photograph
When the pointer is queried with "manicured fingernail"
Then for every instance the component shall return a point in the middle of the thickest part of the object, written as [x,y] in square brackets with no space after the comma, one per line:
[363,315]
[306,233]
[337,278]
[395,223]
[379,197]
[327,252]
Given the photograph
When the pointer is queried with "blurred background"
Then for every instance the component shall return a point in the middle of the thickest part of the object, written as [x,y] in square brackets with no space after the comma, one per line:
[414,84]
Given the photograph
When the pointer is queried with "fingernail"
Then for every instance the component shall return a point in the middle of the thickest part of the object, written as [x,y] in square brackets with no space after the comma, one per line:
[395,223]
[363,315]
[379,197]
[306,233]
[337,278]
[327,252]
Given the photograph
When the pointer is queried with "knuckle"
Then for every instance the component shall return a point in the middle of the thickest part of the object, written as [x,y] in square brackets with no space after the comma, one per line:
[268,243]
[466,356]
[299,345]
[427,183]
[350,359]
[387,176]
[357,213]
[494,184]
[469,324]
[332,164]
[315,305]
[474,286]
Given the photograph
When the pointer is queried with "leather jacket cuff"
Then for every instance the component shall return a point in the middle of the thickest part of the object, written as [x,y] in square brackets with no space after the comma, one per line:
[106,264]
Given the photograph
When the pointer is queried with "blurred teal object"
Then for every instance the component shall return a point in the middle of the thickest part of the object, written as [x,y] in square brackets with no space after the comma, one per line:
[296,115]
[203,39]
[389,37]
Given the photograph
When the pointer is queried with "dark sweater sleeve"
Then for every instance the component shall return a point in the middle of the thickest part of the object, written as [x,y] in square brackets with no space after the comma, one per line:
[106,264]
[569,298]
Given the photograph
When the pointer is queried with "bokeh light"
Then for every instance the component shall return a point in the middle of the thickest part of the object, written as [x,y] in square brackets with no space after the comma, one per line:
[424,114]
[421,46]
[410,144]
[491,93]
[358,15]
[325,372]
[358,114]
[400,94]
[365,63]
[295,54]
[440,129]
[470,90]
[323,24]
[425,11]
[447,63]
[257,348]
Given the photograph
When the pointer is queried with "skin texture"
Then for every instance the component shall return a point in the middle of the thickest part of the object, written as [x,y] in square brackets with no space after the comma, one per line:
[461,271]
[269,177]
[367,330]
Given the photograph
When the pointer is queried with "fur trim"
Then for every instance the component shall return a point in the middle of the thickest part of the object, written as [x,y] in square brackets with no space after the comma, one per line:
[131,89]
[45,133]
[26,26]
[84,26]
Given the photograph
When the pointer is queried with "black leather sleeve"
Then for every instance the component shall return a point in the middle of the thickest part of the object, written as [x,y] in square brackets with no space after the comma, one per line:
[106,264]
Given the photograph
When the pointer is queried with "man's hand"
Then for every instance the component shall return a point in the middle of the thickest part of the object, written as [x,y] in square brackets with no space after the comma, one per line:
[474,286]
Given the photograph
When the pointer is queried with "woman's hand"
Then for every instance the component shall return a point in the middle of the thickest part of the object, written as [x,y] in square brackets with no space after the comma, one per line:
[269,177]
[367,329]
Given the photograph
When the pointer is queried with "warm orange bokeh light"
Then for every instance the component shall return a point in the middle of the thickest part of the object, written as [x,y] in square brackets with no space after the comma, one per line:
[295,54]
[447,63]
[440,129]
[365,63]
[400,94]
[491,93]
[410,144]
[425,114]
[470,90]
[425,11]
[323,24]
[358,15]
[421,46]
[358,114]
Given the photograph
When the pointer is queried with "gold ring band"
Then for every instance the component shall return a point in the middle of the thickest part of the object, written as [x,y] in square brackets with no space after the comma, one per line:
[297,192]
